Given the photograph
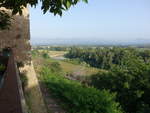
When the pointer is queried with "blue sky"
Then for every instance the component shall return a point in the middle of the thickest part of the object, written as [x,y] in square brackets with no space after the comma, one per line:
[107,20]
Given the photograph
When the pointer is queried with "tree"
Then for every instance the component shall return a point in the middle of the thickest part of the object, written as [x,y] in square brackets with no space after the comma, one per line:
[130,82]
[53,6]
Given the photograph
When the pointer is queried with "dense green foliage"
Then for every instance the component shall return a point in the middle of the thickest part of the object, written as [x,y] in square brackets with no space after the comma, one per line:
[53,6]
[77,98]
[105,58]
[55,48]
[35,53]
[52,48]
[45,55]
[132,86]
[128,74]
[76,62]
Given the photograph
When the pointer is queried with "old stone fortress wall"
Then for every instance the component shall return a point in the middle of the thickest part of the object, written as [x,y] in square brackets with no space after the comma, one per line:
[18,36]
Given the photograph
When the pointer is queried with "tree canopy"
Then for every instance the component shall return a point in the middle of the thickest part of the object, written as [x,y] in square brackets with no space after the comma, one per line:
[52,6]
[127,74]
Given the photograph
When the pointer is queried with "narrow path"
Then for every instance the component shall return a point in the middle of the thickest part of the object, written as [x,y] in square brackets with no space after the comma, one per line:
[9,92]
[52,104]
[38,97]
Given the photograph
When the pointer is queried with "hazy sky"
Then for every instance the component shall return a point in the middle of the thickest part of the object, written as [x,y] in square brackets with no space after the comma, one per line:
[113,20]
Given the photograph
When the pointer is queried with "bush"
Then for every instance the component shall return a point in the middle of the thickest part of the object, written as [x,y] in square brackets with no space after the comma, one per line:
[78,98]
[131,84]
[45,55]
[55,67]
[76,61]
[2,67]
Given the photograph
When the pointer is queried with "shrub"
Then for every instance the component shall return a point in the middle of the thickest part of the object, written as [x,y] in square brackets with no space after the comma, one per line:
[77,98]
[55,67]
[2,67]
[45,55]
[131,84]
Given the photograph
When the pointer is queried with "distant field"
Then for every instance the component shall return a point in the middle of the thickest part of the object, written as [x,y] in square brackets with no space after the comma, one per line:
[68,67]
[72,68]
[77,69]
[56,53]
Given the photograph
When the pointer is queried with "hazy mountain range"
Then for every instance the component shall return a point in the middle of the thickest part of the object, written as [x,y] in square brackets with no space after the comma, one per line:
[92,41]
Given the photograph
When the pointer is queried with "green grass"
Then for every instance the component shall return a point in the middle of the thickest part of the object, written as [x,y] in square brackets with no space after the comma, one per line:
[78,98]
[75,97]
[68,67]
[57,53]
[77,69]
[72,70]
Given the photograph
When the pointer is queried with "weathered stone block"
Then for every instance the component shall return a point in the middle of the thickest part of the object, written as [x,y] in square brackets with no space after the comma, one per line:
[18,36]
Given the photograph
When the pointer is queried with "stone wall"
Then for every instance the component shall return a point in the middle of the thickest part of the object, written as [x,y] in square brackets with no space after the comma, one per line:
[18,36]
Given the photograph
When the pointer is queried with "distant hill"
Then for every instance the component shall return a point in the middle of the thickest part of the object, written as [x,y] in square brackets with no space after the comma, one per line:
[136,42]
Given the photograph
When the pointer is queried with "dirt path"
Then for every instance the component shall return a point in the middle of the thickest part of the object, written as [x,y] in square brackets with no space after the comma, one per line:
[52,104]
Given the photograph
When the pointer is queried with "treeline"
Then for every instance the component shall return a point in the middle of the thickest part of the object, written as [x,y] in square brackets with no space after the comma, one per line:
[130,82]
[52,48]
[127,75]
[105,58]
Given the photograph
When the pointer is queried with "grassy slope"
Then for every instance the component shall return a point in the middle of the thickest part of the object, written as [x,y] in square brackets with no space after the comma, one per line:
[77,69]
[57,53]
[79,98]
[67,67]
